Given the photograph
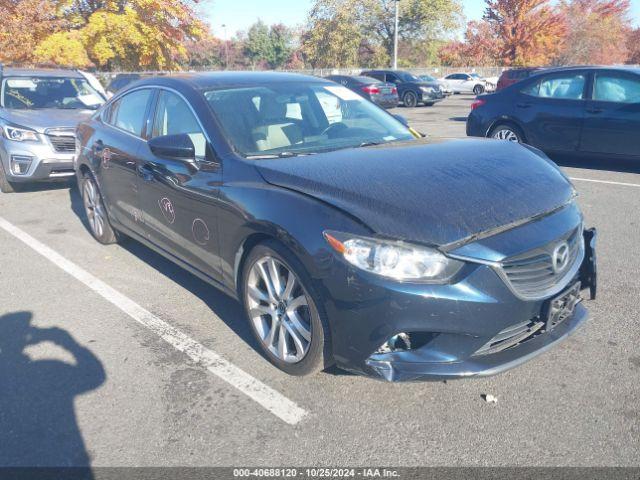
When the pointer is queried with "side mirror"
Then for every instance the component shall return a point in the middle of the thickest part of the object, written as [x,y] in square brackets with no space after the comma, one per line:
[174,147]
[402,120]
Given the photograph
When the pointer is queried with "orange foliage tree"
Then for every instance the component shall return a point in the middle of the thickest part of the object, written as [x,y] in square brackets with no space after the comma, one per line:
[597,31]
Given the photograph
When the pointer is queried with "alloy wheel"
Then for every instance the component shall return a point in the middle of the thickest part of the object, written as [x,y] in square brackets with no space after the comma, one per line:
[93,207]
[279,309]
[506,134]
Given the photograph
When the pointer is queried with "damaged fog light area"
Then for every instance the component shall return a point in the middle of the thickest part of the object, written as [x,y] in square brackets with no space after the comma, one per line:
[403,342]
[20,164]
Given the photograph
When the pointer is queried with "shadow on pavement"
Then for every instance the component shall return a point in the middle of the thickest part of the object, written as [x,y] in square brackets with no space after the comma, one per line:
[597,163]
[226,308]
[38,426]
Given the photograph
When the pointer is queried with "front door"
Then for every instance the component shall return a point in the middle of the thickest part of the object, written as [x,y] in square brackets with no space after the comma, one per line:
[117,147]
[180,202]
[612,122]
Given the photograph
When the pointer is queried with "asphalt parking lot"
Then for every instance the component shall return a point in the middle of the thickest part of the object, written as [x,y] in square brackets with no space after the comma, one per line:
[113,356]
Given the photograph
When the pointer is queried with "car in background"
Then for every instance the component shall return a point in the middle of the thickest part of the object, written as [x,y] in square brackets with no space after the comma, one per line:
[490,82]
[120,81]
[39,112]
[347,240]
[514,75]
[465,83]
[590,110]
[411,89]
[382,94]
[443,86]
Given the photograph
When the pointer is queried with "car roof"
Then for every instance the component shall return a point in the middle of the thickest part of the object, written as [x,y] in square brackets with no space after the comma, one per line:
[622,68]
[40,72]
[206,80]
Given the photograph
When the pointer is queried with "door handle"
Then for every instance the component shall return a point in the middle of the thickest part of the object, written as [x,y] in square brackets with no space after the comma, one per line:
[146,172]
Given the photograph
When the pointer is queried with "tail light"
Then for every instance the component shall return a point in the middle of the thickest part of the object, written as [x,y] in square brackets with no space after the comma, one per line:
[371,90]
[394,90]
[478,103]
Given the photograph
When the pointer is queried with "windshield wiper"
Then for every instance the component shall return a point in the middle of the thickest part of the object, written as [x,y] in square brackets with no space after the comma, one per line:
[278,155]
[370,144]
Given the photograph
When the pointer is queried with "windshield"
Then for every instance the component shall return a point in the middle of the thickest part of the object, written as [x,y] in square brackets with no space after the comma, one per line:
[428,78]
[26,93]
[289,119]
[407,77]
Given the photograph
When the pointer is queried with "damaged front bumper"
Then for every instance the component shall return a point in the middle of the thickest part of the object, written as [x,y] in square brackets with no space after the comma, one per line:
[529,339]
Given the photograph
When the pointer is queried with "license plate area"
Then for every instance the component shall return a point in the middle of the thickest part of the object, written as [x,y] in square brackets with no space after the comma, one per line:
[558,309]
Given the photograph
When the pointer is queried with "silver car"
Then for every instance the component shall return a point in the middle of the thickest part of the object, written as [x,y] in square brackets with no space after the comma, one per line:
[39,111]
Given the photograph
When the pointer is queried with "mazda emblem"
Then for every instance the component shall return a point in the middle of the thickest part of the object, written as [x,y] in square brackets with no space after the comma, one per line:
[560,258]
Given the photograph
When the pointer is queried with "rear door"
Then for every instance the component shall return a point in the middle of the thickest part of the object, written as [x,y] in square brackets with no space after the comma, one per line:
[179,202]
[551,109]
[612,122]
[117,146]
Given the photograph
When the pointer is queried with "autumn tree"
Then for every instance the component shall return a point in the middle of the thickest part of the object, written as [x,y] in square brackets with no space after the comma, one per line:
[479,47]
[597,31]
[633,46]
[526,32]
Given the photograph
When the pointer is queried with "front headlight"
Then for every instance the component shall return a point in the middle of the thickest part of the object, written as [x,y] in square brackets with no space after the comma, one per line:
[427,89]
[20,134]
[396,260]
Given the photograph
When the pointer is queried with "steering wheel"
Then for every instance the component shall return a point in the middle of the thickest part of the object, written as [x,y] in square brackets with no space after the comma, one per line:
[334,127]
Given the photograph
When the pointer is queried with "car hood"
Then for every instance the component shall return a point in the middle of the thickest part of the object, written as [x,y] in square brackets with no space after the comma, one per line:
[435,193]
[45,118]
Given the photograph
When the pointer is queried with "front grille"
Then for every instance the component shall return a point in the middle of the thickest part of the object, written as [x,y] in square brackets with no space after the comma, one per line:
[511,336]
[532,275]
[62,140]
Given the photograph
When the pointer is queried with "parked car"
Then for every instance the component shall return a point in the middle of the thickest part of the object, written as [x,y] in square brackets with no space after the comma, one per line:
[383,94]
[411,89]
[465,83]
[120,81]
[347,241]
[514,75]
[591,110]
[489,82]
[443,85]
[39,111]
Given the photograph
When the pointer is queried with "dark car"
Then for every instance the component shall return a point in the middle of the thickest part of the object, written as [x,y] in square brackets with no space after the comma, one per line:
[590,110]
[121,80]
[347,239]
[382,94]
[514,75]
[411,89]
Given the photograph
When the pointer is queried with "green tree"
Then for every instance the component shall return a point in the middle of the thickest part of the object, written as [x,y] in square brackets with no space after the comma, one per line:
[257,46]
[338,29]
[280,46]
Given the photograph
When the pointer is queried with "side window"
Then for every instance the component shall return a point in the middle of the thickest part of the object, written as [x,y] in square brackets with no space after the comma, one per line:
[173,117]
[566,87]
[616,88]
[392,78]
[128,112]
[377,76]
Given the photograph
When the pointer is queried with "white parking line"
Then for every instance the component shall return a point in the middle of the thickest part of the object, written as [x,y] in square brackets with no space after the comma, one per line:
[605,181]
[264,395]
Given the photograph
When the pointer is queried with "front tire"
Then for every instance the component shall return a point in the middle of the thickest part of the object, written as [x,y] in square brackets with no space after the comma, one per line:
[5,185]
[282,310]
[410,100]
[507,132]
[478,90]
[96,212]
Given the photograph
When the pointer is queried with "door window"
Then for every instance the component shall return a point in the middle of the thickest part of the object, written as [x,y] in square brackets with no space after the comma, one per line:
[567,87]
[616,88]
[174,117]
[129,112]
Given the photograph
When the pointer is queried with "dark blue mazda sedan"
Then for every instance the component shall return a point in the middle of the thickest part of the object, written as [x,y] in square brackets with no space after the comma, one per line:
[348,240]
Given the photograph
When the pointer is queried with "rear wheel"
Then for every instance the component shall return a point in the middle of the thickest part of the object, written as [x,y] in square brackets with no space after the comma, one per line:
[507,132]
[282,311]
[5,185]
[96,212]
[410,99]
[478,90]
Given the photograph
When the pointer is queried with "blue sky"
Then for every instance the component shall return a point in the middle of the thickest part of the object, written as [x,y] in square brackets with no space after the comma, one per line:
[240,14]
